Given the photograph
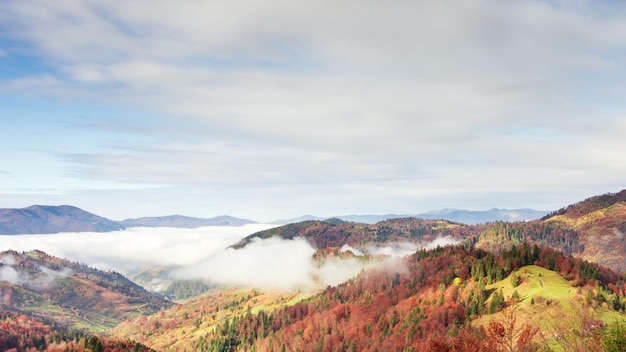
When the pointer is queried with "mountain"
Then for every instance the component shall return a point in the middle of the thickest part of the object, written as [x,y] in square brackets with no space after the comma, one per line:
[331,233]
[455,298]
[40,219]
[69,293]
[592,229]
[469,217]
[477,217]
[295,220]
[179,221]
[53,219]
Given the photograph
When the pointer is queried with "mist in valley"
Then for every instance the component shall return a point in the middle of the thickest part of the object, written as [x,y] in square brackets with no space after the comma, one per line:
[205,254]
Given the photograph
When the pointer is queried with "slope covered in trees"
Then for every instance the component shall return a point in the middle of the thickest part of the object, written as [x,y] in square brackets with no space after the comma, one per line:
[592,229]
[426,301]
[325,234]
[23,333]
[70,293]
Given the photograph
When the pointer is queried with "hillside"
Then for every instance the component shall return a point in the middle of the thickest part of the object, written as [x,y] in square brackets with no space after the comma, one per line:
[186,327]
[179,221]
[53,219]
[23,333]
[437,300]
[71,294]
[329,233]
[592,229]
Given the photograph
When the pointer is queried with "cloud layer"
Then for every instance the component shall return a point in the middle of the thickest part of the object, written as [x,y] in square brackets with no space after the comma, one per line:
[339,107]
[202,254]
[198,253]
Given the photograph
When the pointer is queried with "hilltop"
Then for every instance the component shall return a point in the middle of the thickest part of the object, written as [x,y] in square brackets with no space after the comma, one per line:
[53,219]
[333,233]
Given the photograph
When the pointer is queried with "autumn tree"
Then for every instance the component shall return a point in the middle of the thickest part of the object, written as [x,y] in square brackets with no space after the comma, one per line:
[505,335]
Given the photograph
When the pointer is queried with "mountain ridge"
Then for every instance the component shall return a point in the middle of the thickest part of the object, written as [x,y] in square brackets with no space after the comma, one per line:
[181,221]
[49,219]
[468,217]
[46,219]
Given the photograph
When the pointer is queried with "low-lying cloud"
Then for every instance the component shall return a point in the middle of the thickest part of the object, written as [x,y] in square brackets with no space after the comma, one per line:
[204,254]
[41,278]
[272,263]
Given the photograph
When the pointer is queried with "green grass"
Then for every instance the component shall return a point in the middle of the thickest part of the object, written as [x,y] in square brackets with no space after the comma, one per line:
[548,301]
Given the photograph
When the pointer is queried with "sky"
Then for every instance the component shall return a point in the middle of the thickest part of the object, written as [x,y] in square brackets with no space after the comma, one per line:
[273,109]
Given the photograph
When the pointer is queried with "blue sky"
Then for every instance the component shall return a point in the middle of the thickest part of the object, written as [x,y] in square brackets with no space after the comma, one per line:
[275,109]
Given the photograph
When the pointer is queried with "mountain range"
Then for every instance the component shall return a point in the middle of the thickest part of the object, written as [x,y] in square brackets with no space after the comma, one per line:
[470,217]
[46,219]
[498,286]
[180,221]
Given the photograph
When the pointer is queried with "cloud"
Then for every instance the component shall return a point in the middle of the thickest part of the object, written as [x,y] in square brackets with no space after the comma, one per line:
[42,277]
[199,253]
[401,249]
[371,106]
[271,263]
[10,275]
[128,249]
[204,254]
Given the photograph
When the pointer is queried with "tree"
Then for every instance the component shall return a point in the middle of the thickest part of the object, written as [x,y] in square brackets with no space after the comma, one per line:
[497,301]
[506,336]
[615,337]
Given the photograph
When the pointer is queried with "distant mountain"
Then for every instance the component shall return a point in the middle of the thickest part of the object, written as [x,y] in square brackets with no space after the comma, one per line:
[298,219]
[371,219]
[70,293]
[469,217]
[478,217]
[53,219]
[185,221]
[40,219]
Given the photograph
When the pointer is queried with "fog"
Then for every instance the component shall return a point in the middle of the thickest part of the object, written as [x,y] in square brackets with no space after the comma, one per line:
[43,277]
[201,253]
[204,254]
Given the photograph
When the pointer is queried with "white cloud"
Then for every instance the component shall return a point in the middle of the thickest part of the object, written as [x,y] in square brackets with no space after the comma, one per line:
[128,249]
[370,104]
[271,263]
[204,254]
[10,275]
[199,253]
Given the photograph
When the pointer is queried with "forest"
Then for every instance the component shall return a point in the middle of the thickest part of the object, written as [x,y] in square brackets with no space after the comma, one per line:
[424,303]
